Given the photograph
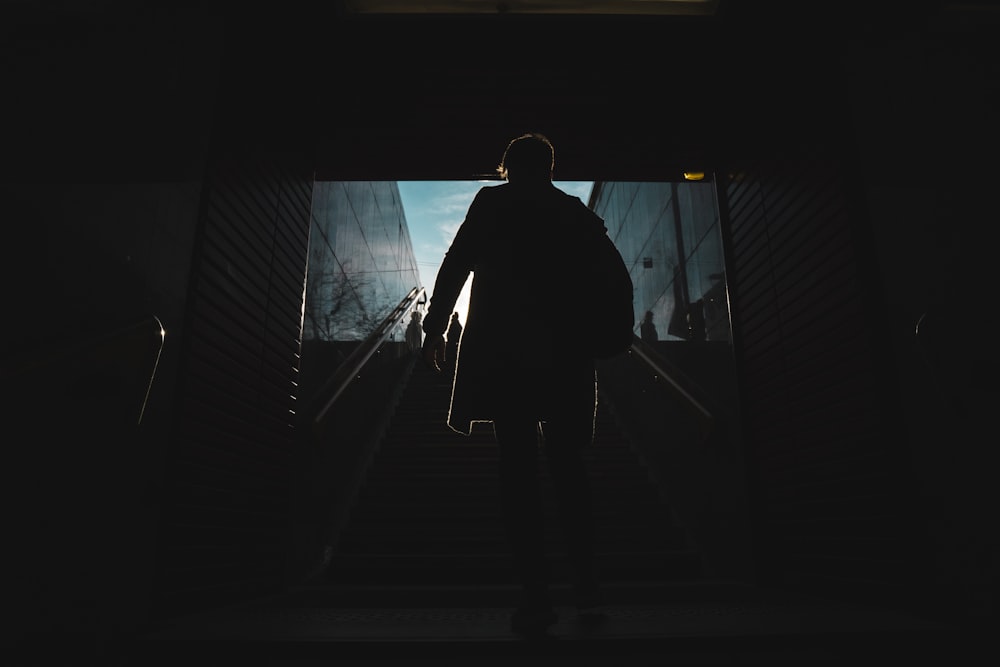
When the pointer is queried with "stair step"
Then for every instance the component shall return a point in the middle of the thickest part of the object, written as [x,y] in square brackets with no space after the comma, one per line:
[460,465]
[361,544]
[395,527]
[485,488]
[426,443]
[402,529]
[501,595]
[411,518]
[408,518]
[432,569]
[475,472]
[428,512]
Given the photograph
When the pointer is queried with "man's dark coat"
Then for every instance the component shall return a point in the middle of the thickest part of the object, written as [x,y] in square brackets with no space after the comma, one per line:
[522,346]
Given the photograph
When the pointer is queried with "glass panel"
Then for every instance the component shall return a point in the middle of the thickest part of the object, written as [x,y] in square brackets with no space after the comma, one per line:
[669,235]
[366,252]
[360,263]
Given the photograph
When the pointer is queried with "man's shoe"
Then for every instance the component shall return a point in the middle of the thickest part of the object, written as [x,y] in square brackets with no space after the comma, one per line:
[533,621]
[588,597]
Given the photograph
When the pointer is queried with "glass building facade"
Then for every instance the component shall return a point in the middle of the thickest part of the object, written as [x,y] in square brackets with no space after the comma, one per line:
[361,261]
[669,235]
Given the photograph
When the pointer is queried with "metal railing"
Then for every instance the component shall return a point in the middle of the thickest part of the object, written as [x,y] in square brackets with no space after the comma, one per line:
[349,369]
[659,366]
[104,348]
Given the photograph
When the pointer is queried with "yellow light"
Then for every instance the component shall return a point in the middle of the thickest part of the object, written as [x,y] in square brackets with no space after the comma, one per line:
[694,175]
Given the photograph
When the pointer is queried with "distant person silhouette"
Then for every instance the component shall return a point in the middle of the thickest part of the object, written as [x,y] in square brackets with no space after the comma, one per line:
[452,337]
[516,367]
[696,321]
[414,333]
[647,330]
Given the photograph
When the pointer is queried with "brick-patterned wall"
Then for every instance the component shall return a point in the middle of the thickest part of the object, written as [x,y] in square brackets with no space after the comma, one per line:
[224,525]
[828,480]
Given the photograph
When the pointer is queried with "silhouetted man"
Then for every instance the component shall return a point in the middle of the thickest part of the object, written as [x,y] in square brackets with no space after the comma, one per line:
[516,368]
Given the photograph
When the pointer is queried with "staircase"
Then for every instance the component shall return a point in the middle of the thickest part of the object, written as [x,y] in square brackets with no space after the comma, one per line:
[421,577]
[426,527]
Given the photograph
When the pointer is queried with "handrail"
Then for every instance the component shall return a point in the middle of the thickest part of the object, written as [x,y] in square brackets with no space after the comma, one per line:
[69,350]
[156,363]
[346,372]
[705,413]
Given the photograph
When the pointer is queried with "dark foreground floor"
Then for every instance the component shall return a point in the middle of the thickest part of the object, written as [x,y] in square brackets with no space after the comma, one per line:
[759,629]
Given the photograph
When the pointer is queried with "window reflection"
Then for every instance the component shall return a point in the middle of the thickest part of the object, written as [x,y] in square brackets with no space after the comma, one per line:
[361,261]
[670,237]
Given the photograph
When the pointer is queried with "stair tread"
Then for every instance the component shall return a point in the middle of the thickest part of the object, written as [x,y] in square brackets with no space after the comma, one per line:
[428,513]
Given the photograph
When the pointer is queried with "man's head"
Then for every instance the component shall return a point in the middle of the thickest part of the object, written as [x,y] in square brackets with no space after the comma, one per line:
[529,157]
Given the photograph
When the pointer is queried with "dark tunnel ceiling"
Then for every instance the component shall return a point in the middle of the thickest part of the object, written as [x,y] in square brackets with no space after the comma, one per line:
[623,97]
[429,96]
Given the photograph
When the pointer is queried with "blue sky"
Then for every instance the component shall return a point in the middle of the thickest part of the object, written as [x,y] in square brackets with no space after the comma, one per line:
[434,211]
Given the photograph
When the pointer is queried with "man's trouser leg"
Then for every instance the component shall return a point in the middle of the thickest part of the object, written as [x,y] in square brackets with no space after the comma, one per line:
[521,504]
[564,443]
